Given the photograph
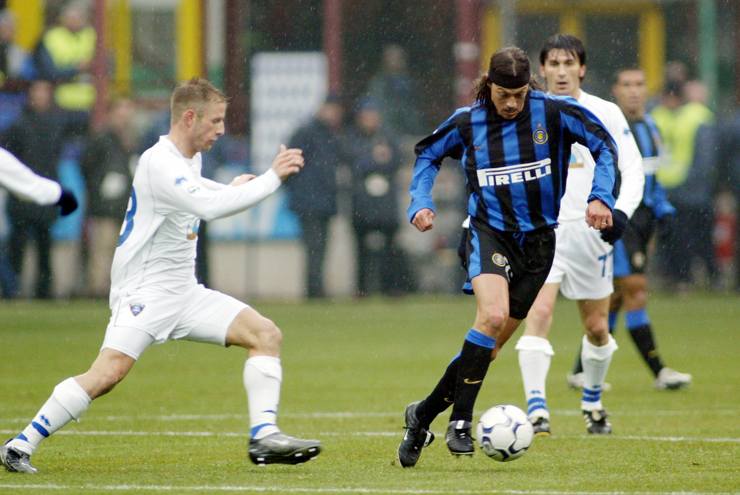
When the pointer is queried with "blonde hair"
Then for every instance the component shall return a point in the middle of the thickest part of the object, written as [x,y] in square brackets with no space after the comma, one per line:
[194,94]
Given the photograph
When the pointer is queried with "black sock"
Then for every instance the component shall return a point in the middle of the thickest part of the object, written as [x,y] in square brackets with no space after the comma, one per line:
[643,339]
[474,360]
[441,397]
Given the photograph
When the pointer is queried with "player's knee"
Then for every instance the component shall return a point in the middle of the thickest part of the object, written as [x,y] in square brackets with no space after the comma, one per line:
[493,318]
[268,337]
[597,328]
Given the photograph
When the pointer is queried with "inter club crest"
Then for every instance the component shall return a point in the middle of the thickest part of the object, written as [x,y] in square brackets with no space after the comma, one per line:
[539,135]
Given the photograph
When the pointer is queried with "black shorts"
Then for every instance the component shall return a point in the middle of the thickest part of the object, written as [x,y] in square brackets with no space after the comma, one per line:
[524,259]
[630,252]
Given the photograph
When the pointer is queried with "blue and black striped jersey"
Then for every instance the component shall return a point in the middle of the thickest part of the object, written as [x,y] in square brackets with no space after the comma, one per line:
[648,140]
[516,169]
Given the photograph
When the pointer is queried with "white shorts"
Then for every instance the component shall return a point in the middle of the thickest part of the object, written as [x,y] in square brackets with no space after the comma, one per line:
[200,315]
[583,264]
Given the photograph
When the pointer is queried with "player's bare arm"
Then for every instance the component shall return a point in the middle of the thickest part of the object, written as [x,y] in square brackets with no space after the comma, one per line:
[424,220]
[598,215]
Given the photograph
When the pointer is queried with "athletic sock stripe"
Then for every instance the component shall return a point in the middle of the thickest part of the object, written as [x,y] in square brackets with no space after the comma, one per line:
[44,432]
[591,399]
[480,339]
[256,429]
[23,437]
[536,400]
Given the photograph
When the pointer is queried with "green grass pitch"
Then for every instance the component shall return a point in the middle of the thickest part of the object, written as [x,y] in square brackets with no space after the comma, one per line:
[178,423]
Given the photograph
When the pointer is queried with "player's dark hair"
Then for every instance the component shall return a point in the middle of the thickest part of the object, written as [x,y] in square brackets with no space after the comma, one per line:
[194,94]
[565,42]
[509,65]
[618,72]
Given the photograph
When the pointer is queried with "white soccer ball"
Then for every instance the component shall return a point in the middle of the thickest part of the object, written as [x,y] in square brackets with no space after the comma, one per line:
[504,433]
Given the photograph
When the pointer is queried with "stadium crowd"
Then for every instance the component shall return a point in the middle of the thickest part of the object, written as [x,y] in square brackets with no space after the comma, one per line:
[46,97]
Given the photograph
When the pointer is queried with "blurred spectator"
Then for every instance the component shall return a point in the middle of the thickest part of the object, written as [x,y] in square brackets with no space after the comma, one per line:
[729,160]
[393,89]
[375,213]
[12,61]
[65,55]
[106,167]
[689,178]
[313,192]
[36,139]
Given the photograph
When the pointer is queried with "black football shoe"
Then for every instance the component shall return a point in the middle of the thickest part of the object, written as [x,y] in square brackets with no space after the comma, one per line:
[415,438]
[459,439]
[596,422]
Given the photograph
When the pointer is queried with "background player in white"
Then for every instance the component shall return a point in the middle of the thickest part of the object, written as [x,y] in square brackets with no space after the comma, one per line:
[24,183]
[631,251]
[154,294]
[582,268]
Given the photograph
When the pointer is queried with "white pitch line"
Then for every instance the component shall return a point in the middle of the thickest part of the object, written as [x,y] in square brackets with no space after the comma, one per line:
[369,414]
[296,489]
[129,433]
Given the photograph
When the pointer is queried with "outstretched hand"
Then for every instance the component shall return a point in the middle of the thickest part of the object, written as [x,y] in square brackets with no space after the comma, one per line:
[287,162]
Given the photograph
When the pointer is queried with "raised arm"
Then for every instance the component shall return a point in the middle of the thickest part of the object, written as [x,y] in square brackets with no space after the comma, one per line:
[177,188]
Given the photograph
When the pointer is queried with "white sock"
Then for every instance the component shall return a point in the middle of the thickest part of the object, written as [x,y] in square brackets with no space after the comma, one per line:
[596,360]
[68,401]
[262,377]
[535,354]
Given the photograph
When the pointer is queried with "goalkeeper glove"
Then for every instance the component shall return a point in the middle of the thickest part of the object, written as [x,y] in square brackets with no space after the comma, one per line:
[619,223]
[67,202]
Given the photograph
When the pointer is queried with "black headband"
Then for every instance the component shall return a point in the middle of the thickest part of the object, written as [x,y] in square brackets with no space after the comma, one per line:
[509,81]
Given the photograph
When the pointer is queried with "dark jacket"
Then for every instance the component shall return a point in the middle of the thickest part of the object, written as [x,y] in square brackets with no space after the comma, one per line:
[375,162]
[313,192]
[36,139]
[105,166]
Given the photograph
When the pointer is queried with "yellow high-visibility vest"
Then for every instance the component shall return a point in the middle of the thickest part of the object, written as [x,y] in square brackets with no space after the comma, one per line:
[69,49]
[678,130]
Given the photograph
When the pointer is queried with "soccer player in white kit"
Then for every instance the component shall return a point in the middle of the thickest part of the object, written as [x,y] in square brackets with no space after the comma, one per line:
[24,183]
[154,294]
[582,268]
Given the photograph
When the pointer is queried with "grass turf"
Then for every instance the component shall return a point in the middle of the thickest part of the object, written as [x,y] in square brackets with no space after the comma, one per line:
[178,422]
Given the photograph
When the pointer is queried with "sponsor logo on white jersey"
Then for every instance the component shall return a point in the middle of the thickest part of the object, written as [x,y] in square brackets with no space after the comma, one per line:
[514,174]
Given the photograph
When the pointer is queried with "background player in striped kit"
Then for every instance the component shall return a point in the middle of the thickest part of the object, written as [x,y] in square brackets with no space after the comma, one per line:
[630,252]
[582,268]
[514,146]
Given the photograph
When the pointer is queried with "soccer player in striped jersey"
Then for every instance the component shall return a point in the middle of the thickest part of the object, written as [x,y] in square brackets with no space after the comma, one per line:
[24,183]
[154,294]
[582,268]
[630,252]
[514,145]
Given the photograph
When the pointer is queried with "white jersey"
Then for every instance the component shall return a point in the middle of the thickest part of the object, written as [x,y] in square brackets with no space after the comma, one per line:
[581,170]
[156,247]
[24,183]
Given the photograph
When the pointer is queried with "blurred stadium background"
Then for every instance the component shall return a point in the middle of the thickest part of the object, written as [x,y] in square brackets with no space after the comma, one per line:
[277,60]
